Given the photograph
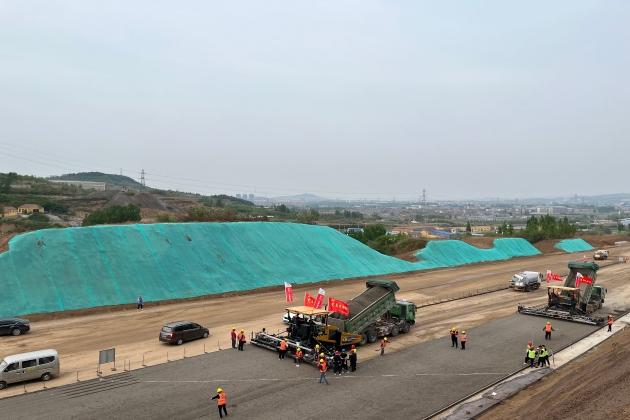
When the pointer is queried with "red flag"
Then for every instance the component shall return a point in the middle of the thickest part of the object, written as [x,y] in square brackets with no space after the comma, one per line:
[309,300]
[288,292]
[339,306]
[319,300]
[551,276]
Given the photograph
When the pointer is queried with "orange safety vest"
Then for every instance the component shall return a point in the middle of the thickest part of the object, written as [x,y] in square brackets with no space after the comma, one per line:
[383,344]
[547,327]
[241,337]
[610,321]
[462,338]
[283,345]
[222,398]
[323,367]
[299,354]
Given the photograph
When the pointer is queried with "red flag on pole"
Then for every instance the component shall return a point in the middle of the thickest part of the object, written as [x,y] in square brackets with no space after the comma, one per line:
[551,276]
[585,279]
[339,306]
[319,300]
[309,300]
[288,292]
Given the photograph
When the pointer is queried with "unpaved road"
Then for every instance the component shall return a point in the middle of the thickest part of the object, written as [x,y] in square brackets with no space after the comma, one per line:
[134,333]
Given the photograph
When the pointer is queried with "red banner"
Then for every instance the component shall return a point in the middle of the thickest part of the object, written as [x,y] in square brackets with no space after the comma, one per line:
[309,300]
[580,278]
[319,300]
[551,276]
[339,306]
[288,292]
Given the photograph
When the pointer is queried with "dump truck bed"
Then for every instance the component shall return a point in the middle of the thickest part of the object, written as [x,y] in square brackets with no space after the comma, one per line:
[365,299]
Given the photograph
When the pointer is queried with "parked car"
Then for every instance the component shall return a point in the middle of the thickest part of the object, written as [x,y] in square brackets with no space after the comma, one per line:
[43,364]
[14,326]
[180,331]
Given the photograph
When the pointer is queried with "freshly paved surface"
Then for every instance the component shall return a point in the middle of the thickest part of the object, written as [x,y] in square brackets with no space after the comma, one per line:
[411,383]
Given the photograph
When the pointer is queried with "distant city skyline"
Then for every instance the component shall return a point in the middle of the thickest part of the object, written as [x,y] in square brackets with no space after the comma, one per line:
[347,99]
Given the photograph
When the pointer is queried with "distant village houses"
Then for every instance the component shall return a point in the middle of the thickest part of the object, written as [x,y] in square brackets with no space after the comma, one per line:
[27,209]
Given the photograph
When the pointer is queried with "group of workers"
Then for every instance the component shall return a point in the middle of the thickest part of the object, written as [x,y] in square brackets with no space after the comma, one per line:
[538,356]
[238,339]
[455,336]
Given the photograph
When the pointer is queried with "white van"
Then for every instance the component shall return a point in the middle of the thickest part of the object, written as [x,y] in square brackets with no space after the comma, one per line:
[43,364]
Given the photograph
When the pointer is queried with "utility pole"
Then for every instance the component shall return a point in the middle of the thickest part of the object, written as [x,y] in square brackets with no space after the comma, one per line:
[142,180]
[424,196]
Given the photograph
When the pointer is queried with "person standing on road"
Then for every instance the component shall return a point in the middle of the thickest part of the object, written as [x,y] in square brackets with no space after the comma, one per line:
[298,356]
[383,345]
[344,360]
[543,357]
[547,329]
[221,398]
[233,337]
[241,340]
[337,363]
[531,355]
[462,339]
[140,303]
[454,334]
[323,367]
[282,350]
[610,322]
[353,359]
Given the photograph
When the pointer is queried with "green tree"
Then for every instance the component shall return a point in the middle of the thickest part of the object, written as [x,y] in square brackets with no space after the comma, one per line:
[468,227]
[372,232]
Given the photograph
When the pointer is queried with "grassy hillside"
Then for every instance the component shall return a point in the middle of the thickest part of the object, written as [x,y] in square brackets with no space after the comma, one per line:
[110,179]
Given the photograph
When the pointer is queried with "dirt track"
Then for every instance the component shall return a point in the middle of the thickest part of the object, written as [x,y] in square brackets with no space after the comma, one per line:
[134,333]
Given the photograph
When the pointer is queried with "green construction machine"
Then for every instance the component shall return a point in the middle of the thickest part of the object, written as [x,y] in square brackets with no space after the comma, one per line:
[575,300]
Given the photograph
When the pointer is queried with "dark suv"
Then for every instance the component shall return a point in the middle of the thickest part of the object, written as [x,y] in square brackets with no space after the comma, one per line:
[180,331]
[14,326]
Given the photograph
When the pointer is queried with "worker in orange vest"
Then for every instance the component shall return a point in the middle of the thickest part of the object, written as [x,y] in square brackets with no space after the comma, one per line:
[298,356]
[454,334]
[610,322]
[547,329]
[282,350]
[323,367]
[462,339]
[233,337]
[383,344]
[221,398]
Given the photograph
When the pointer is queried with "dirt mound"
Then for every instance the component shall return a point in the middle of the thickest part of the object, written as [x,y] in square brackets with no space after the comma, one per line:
[593,387]
[483,242]
[603,241]
[144,200]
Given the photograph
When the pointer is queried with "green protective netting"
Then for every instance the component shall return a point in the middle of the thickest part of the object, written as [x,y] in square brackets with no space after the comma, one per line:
[573,245]
[63,269]
[452,253]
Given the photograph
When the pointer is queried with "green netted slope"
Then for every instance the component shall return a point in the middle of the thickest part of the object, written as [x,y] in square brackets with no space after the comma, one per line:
[453,253]
[573,245]
[62,269]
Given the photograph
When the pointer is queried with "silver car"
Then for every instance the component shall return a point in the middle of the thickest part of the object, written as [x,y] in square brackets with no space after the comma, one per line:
[42,364]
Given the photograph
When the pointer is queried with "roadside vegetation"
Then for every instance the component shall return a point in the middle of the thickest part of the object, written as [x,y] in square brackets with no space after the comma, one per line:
[376,237]
[113,214]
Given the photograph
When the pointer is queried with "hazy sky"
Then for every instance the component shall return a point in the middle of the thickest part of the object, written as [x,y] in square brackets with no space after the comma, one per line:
[338,98]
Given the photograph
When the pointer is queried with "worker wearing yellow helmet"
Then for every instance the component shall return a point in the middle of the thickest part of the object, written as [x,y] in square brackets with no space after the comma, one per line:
[463,338]
[323,367]
[298,356]
[241,340]
[221,398]
[454,333]
[383,344]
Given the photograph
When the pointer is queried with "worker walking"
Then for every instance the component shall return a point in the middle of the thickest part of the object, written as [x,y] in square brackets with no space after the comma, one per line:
[610,322]
[353,359]
[298,356]
[462,339]
[233,337]
[323,367]
[547,329]
[383,345]
[140,302]
[454,334]
[282,351]
[241,340]
[221,398]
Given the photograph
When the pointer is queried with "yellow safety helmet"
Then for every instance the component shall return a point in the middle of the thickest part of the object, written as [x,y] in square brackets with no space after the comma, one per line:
[385,338]
[548,322]
[321,354]
[242,331]
[298,349]
[219,390]
[321,360]
[463,332]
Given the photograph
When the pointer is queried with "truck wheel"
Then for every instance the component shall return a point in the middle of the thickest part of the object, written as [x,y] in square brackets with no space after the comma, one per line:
[364,339]
[406,327]
[179,342]
[3,384]
[395,331]
[372,336]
